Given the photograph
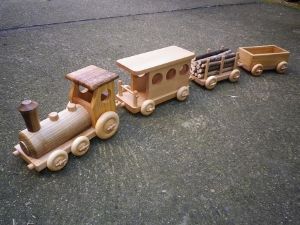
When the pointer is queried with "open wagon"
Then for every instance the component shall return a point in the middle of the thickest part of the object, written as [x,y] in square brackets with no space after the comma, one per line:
[156,76]
[256,59]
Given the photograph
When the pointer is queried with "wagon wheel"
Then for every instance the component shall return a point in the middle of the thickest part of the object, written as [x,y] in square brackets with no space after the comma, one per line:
[182,93]
[257,70]
[211,82]
[147,107]
[107,125]
[234,75]
[281,67]
[80,146]
[57,160]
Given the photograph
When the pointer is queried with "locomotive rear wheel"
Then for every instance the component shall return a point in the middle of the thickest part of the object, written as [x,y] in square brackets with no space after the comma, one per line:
[57,160]
[107,125]
[147,107]
[257,70]
[234,75]
[282,67]
[80,146]
[211,82]
[182,93]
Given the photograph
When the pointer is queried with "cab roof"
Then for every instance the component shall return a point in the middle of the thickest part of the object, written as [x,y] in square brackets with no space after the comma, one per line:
[91,77]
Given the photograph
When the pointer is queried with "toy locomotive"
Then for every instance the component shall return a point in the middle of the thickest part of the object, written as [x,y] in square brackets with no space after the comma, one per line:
[156,77]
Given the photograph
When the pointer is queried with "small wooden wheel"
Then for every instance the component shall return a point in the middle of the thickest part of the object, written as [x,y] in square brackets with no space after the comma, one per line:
[80,146]
[282,67]
[211,82]
[57,160]
[234,75]
[257,70]
[147,107]
[107,125]
[182,93]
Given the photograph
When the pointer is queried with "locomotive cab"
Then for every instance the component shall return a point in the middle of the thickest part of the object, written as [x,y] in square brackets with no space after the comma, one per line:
[93,88]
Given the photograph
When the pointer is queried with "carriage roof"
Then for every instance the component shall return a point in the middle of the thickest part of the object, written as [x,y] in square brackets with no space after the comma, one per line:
[156,59]
[91,77]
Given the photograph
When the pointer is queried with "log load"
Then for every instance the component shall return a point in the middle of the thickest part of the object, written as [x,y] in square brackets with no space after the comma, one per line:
[213,60]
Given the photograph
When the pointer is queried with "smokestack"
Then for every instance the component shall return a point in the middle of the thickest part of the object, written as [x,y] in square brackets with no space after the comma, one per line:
[28,110]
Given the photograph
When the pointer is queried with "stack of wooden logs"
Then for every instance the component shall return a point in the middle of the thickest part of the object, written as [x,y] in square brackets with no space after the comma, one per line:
[213,61]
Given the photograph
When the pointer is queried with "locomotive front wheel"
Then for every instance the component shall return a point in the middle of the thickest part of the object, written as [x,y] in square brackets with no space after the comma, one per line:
[57,160]
[147,107]
[234,75]
[211,82]
[80,146]
[182,93]
[257,70]
[281,67]
[107,125]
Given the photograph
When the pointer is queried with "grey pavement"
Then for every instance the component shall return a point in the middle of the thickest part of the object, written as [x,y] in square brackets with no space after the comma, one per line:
[227,156]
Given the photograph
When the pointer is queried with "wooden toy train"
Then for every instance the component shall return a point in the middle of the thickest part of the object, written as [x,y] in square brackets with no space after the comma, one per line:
[156,76]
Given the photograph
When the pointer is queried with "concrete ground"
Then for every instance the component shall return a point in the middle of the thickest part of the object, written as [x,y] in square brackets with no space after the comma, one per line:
[227,156]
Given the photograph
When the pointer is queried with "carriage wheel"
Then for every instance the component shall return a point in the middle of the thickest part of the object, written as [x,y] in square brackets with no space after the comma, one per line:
[182,93]
[147,107]
[234,75]
[281,67]
[107,125]
[80,146]
[211,82]
[57,160]
[257,70]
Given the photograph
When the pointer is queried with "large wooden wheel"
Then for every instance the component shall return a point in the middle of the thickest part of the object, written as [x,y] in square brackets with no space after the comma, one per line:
[257,70]
[234,75]
[147,107]
[57,160]
[182,93]
[211,82]
[282,67]
[107,125]
[80,146]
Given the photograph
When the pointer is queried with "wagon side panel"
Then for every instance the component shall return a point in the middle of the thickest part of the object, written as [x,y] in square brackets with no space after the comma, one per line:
[269,61]
[166,86]
[245,58]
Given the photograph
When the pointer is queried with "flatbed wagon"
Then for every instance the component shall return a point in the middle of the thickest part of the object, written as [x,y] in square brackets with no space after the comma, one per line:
[256,59]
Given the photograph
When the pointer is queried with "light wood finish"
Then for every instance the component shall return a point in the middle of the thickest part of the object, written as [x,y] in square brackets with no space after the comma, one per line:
[41,163]
[80,146]
[154,60]
[107,125]
[269,56]
[155,76]
[101,102]
[99,83]
[54,133]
